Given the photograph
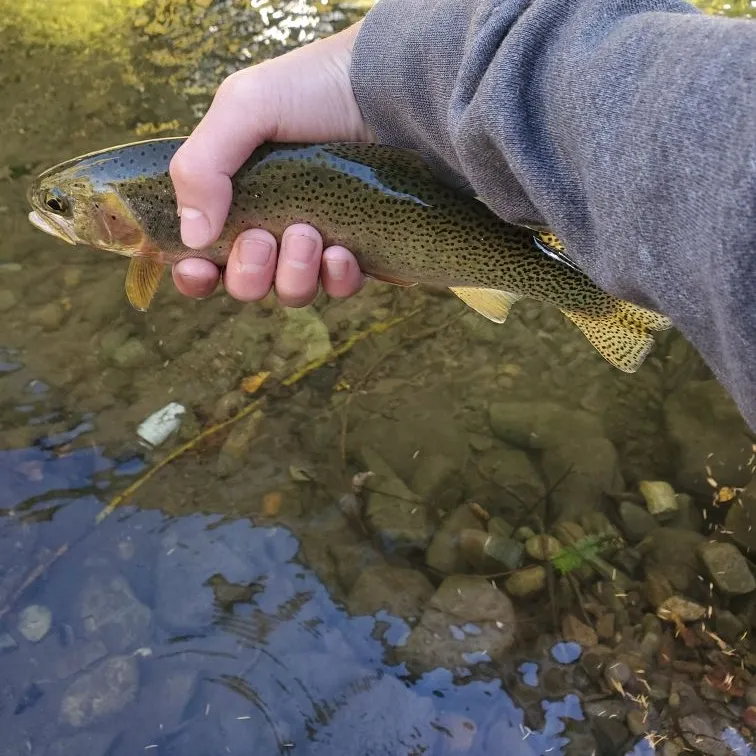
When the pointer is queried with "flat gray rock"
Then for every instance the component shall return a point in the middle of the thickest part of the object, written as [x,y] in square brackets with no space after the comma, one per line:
[109,609]
[107,689]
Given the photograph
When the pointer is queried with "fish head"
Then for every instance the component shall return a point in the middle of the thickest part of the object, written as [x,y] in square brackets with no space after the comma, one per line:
[73,203]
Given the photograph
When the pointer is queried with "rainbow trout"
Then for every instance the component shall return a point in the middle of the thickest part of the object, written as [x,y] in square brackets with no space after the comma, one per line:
[403,225]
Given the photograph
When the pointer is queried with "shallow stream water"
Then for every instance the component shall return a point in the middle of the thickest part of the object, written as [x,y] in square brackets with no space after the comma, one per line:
[258,593]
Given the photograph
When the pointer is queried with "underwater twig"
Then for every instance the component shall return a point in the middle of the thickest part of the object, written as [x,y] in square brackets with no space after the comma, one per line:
[549,579]
[32,577]
[550,490]
[379,327]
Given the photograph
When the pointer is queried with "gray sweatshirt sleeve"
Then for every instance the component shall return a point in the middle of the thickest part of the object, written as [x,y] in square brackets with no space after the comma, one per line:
[627,126]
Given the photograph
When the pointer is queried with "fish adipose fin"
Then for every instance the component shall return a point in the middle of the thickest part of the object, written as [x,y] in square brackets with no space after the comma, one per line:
[142,281]
[491,303]
[623,337]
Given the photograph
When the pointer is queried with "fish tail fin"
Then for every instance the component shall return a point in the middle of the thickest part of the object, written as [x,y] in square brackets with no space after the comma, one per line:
[622,337]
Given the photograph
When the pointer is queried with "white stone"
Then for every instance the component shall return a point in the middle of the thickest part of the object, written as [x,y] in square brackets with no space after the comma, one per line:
[660,498]
[156,429]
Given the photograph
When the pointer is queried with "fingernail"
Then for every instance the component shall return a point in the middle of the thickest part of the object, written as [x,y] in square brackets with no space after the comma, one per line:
[195,228]
[337,267]
[254,255]
[300,250]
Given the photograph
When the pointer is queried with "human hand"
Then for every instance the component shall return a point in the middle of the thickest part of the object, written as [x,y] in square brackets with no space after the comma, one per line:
[303,96]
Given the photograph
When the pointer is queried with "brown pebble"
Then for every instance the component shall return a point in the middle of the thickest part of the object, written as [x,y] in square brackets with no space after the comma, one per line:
[575,630]
[694,669]
[681,608]
[568,532]
[617,673]
[637,722]
[526,582]
[271,503]
[749,717]
[542,547]
[605,626]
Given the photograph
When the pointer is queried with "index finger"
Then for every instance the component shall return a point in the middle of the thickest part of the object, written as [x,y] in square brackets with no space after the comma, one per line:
[202,167]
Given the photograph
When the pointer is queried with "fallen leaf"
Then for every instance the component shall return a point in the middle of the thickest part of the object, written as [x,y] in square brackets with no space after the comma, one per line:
[252,383]
[271,503]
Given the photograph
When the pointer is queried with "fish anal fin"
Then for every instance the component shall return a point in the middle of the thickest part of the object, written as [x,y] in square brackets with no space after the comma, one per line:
[493,304]
[386,278]
[142,281]
[623,337]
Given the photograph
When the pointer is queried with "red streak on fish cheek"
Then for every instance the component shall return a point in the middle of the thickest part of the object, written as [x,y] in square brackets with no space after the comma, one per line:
[115,228]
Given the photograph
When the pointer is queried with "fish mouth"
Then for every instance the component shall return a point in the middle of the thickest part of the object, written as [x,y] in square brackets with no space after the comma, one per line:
[53,225]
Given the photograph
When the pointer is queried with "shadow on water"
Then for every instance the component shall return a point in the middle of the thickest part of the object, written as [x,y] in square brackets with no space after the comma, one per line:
[260,593]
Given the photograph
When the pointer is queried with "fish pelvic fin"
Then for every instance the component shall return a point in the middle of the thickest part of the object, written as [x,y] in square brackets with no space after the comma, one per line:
[493,304]
[142,281]
[624,337]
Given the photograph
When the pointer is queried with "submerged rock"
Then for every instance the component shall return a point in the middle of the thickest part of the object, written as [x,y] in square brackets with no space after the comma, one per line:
[688,515]
[303,334]
[441,638]
[82,744]
[526,582]
[172,693]
[7,300]
[568,532]
[673,552]
[131,354]
[542,548]
[708,437]
[234,452]
[660,498]
[109,609]
[34,622]
[444,553]
[740,521]
[400,591]
[728,568]
[437,480]
[637,523]
[49,316]
[396,515]
[700,734]
[575,630]
[541,425]
[499,526]
[681,608]
[585,471]
[106,690]
[352,560]
[77,657]
[378,710]
[490,553]
[514,472]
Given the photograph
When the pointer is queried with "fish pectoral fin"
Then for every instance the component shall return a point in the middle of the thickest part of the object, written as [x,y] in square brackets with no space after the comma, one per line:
[385,278]
[493,304]
[142,281]
[624,337]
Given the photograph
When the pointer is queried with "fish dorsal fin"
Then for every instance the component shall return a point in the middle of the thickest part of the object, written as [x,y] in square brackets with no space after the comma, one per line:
[493,304]
[142,281]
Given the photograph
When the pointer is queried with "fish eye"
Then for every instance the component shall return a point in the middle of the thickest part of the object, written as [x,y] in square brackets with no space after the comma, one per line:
[57,203]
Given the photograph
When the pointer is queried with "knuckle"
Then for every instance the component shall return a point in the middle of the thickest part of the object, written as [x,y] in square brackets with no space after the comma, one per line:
[181,168]
[235,86]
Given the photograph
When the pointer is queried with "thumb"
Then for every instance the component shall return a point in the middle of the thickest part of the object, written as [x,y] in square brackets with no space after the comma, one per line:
[202,168]
[305,95]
